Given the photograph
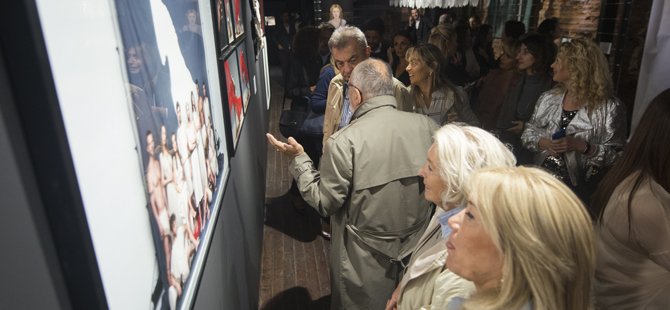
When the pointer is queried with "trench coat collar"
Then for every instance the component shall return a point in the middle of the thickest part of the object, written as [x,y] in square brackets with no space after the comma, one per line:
[374,103]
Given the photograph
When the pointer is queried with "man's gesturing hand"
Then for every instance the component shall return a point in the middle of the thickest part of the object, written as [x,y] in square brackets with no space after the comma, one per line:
[291,150]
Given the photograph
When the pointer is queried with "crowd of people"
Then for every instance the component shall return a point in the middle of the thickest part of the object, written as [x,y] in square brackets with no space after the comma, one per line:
[457,180]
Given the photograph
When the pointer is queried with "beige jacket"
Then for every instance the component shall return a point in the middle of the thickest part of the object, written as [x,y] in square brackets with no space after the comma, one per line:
[444,103]
[333,115]
[426,283]
[369,185]
[633,271]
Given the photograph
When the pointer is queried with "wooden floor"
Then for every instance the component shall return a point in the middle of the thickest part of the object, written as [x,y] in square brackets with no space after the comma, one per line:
[294,271]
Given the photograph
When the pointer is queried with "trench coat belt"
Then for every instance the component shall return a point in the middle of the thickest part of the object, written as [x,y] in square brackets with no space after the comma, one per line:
[361,236]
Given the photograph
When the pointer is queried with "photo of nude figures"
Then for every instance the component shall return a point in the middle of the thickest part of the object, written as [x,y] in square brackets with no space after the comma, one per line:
[181,135]
[244,77]
[235,106]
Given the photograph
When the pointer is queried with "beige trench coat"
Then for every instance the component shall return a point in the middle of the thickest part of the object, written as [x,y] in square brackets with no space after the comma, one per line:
[370,187]
[426,284]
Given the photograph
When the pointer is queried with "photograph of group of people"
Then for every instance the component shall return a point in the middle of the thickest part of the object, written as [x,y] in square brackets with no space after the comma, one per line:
[180,130]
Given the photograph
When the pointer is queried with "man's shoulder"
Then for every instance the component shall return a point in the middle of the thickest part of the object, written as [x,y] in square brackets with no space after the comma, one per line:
[338,80]
[394,119]
[397,83]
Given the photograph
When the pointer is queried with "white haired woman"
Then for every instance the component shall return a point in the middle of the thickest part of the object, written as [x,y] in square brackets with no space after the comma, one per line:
[525,241]
[458,152]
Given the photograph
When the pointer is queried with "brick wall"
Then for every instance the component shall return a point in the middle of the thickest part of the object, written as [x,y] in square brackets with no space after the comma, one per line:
[577,18]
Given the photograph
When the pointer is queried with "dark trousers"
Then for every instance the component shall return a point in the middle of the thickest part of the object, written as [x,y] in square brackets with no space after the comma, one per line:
[285,58]
[312,147]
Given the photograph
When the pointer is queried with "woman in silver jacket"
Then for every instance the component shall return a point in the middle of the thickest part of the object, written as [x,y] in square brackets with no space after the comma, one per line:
[583,105]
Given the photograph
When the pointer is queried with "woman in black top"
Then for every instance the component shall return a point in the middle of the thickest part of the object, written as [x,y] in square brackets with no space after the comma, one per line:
[402,41]
[303,72]
[483,48]
[534,61]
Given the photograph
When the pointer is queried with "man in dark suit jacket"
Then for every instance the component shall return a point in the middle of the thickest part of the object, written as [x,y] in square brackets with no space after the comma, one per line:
[419,27]
[373,29]
[283,38]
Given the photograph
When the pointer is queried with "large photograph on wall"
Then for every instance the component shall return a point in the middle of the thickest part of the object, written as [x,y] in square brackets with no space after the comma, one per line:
[178,111]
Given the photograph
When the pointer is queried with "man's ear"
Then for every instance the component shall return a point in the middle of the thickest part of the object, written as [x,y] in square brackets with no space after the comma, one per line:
[367,51]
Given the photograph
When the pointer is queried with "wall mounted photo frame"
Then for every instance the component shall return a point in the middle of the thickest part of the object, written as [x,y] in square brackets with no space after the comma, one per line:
[266,72]
[235,111]
[244,76]
[237,18]
[171,61]
[228,15]
[224,24]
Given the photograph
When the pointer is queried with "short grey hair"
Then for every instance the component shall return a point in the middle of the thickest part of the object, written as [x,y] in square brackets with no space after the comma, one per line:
[373,78]
[343,35]
[461,151]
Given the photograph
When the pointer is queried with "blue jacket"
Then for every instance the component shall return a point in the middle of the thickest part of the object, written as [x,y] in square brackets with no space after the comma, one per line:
[320,95]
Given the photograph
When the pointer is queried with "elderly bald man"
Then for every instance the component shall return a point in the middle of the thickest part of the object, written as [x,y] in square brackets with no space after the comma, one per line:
[369,185]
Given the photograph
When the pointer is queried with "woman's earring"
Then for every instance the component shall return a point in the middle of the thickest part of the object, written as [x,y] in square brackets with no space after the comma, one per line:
[431,72]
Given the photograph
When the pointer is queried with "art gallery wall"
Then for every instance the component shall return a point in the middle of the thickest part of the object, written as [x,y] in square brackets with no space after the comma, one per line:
[26,281]
[89,79]
[231,277]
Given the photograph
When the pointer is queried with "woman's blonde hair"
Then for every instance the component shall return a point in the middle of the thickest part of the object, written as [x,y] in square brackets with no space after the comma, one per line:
[197,16]
[441,36]
[330,64]
[590,79]
[462,150]
[335,6]
[544,235]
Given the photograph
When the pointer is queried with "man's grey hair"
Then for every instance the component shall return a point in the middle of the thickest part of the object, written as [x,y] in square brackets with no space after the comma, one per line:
[342,35]
[443,18]
[373,78]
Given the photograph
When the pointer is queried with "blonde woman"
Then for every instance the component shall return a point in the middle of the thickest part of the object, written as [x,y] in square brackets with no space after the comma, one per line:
[336,16]
[193,19]
[445,38]
[457,153]
[583,105]
[525,241]
[432,92]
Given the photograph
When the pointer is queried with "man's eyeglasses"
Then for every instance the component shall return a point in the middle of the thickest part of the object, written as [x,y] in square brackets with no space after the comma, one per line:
[359,90]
